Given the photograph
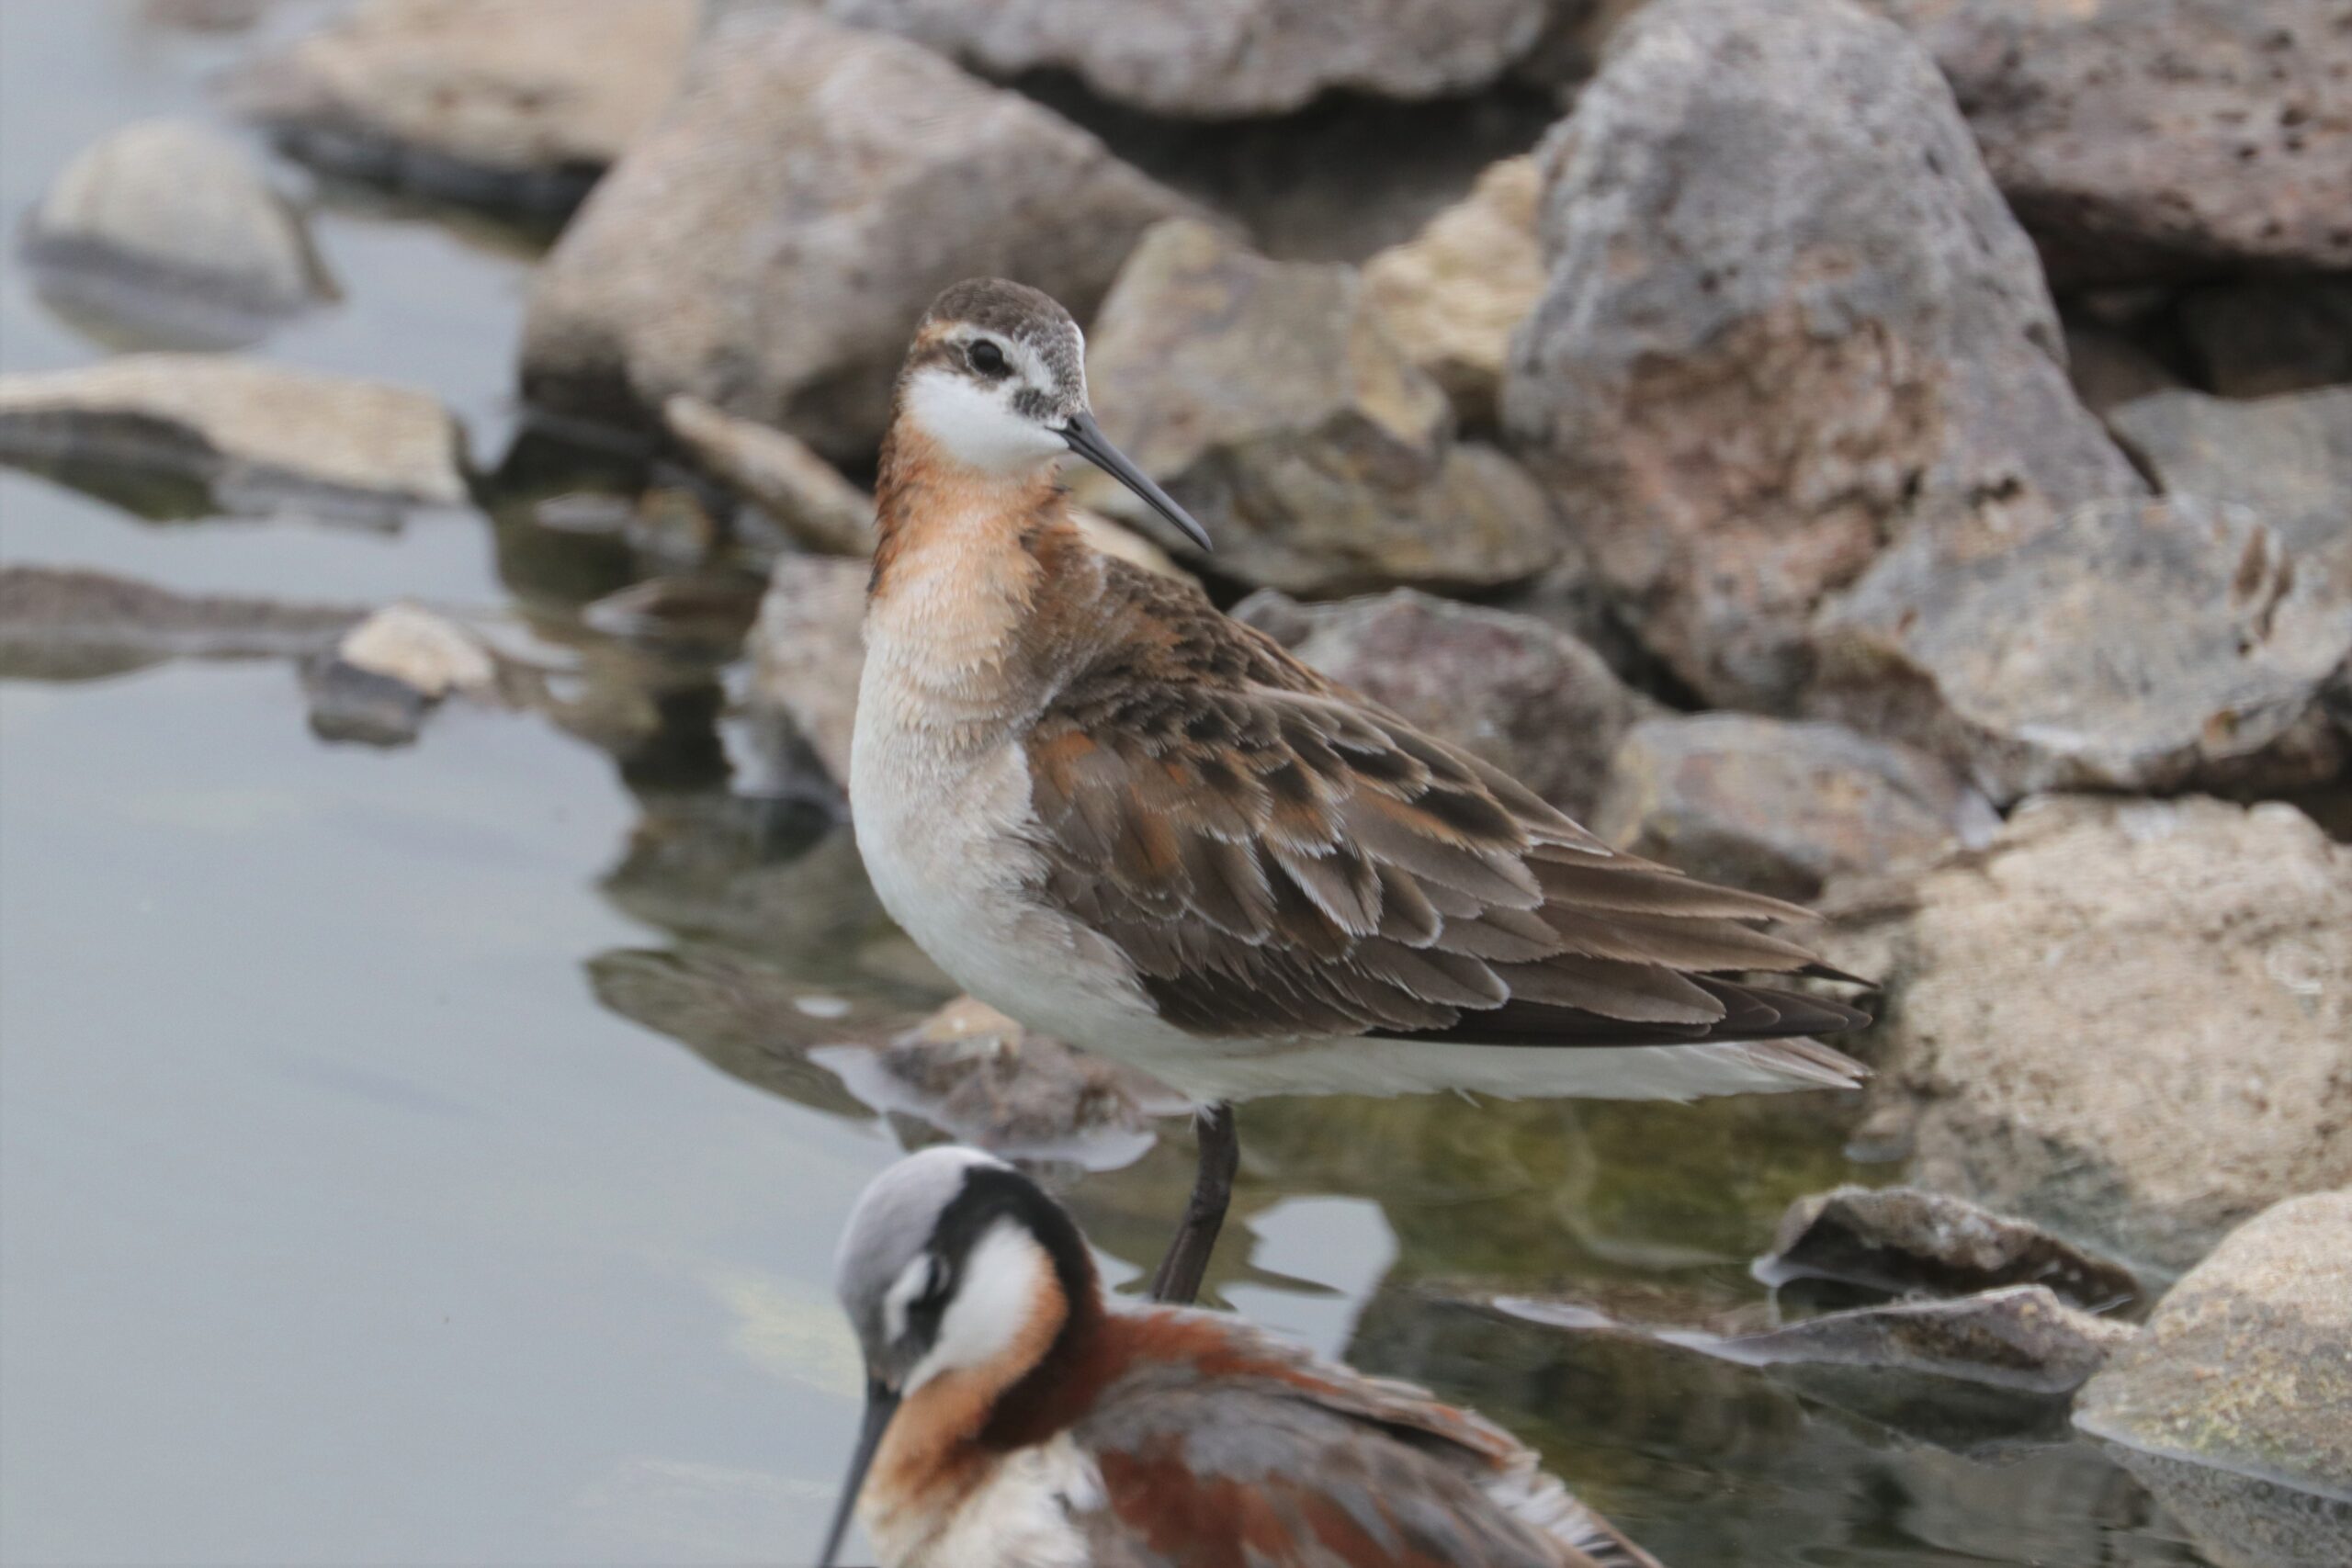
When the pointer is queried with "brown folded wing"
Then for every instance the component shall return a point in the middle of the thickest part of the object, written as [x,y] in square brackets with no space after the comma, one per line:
[1277,858]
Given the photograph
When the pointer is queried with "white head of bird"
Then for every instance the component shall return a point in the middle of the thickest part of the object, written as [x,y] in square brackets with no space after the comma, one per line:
[996,383]
[959,1276]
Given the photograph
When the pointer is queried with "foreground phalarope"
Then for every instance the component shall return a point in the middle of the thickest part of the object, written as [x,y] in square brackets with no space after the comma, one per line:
[1014,1420]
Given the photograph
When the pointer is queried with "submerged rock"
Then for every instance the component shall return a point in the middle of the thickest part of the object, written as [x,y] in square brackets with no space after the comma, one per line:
[264,437]
[767,246]
[984,1079]
[1787,319]
[2242,1522]
[1907,1238]
[391,669]
[2020,1339]
[513,103]
[2287,457]
[2124,1020]
[1267,398]
[1453,295]
[1222,59]
[1525,697]
[2145,646]
[59,624]
[2246,1365]
[2145,137]
[166,232]
[1783,807]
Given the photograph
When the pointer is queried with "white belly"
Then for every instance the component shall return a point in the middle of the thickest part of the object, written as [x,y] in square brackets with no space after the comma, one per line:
[1019,1517]
[942,831]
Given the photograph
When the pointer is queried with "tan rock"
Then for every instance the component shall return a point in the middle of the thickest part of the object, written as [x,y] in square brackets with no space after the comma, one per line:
[533,99]
[2129,1021]
[1268,400]
[1454,294]
[2246,1365]
[265,437]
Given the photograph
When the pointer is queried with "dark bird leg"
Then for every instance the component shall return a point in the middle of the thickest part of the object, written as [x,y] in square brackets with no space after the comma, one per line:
[1177,1280]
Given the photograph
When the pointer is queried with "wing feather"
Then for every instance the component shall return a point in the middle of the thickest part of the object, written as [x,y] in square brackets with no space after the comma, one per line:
[1277,858]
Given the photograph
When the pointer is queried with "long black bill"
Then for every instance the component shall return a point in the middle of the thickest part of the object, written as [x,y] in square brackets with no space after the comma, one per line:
[881,1403]
[1085,439]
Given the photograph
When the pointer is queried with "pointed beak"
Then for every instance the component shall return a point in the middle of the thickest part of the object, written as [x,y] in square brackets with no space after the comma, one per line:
[1085,439]
[881,1403]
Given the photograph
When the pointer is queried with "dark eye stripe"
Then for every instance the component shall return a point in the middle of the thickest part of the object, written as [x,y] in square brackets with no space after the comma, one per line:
[987,358]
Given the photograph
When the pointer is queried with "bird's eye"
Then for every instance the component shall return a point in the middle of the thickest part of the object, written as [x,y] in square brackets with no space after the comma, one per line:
[987,358]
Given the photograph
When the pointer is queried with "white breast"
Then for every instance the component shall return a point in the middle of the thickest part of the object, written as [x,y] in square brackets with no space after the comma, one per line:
[1022,1516]
[940,794]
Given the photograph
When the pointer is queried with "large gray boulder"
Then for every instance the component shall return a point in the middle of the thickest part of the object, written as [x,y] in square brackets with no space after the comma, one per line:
[168,231]
[506,103]
[265,438]
[2289,458]
[1223,59]
[769,245]
[1783,807]
[2147,138]
[1526,697]
[1788,318]
[2246,1365]
[1269,399]
[2146,645]
[2129,1021]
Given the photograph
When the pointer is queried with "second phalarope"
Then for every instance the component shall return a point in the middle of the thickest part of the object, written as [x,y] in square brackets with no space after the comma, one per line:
[1015,1420]
[1110,811]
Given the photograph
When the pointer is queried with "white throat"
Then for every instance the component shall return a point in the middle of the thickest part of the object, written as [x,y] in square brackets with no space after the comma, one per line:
[976,424]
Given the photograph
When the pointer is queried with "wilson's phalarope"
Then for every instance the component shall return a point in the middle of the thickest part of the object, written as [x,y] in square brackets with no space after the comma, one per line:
[1110,811]
[1013,1421]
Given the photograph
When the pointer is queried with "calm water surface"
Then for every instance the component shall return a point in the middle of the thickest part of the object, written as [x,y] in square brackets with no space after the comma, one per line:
[341,1221]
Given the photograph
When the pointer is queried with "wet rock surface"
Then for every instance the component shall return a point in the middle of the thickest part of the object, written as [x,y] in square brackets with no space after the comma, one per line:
[2020,1339]
[1529,698]
[2149,645]
[66,625]
[1787,318]
[1267,398]
[1215,59]
[2239,1521]
[1783,807]
[2139,137]
[1454,294]
[263,437]
[392,669]
[1908,1239]
[2124,1020]
[768,243]
[981,1078]
[2287,457]
[167,233]
[512,104]
[2246,1365]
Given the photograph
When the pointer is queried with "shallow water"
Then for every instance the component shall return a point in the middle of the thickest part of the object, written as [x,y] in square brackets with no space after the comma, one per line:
[341,1221]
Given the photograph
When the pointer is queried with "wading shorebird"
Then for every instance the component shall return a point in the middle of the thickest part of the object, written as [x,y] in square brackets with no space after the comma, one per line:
[1123,818]
[1014,1420]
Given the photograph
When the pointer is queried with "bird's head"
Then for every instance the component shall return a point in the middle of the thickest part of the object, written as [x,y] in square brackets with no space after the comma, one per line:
[995,381]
